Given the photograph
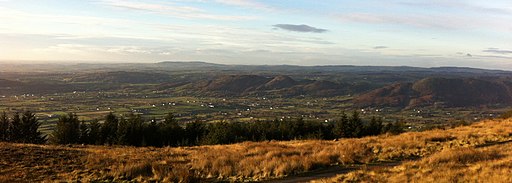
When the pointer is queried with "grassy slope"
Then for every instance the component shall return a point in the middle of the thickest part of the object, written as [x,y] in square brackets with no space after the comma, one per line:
[435,152]
[489,164]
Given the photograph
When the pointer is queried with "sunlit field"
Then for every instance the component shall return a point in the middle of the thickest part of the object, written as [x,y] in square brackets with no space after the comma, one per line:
[462,153]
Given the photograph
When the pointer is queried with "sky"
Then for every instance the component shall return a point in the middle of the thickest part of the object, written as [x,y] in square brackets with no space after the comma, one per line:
[424,33]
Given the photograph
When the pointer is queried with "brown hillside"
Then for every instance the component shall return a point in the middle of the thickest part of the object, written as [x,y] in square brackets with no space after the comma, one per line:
[398,94]
[235,84]
[324,88]
[317,88]
[281,85]
[278,82]
[463,92]
[250,160]
[446,91]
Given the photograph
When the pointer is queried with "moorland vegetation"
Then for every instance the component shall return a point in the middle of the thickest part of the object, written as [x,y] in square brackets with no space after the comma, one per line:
[466,153]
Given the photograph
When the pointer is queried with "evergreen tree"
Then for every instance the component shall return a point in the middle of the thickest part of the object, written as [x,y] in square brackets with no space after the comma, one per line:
[375,126]
[152,134]
[109,129]
[14,129]
[135,130]
[194,132]
[355,125]
[67,130]
[94,132]
[341,127]
[298,129]
[122,132]
[171,132]
[218,133]
[4,126]
[83,135]
[30,129]
[130,130]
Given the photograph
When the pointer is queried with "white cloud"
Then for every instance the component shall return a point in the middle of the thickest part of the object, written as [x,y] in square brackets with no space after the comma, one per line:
[430,21]
[24,22]
[497,51]
[496,7]
[185,12]
[245,4]
[420,21]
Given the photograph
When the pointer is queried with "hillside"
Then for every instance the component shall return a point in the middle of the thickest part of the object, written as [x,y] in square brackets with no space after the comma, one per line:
[241,85]
[480,147]
[448,92]
[235,84]
[398,94]
[278,82]
[482,164]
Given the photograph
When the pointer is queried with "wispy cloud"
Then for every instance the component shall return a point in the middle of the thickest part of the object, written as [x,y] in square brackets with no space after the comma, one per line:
[495,56]
[23,22]
[420,21]
[85,49]
[245,4]
[438,14]
[185,12]
[497,51]
[486,8]
[299,28]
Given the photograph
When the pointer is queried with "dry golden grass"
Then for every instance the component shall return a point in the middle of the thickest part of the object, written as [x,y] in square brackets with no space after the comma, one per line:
[469,164]
[480,153]
[444,149]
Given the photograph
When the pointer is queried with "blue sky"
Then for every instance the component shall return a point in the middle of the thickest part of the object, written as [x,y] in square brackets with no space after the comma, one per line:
[469,33]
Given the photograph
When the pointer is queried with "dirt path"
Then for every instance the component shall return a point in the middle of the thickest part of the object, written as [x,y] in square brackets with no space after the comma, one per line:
[331,172]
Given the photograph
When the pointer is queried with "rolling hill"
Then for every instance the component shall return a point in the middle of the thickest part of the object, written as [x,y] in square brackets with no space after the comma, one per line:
[449,92]
[242,85]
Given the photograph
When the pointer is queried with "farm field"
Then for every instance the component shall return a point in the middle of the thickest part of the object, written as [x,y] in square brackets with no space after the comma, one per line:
[95,105]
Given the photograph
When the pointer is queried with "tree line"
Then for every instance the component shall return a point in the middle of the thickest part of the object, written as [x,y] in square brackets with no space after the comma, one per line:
[133,130]
[21,128]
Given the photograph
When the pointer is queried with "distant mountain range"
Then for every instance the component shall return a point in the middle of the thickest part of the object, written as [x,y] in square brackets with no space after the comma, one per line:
[205,66]
[402,87]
